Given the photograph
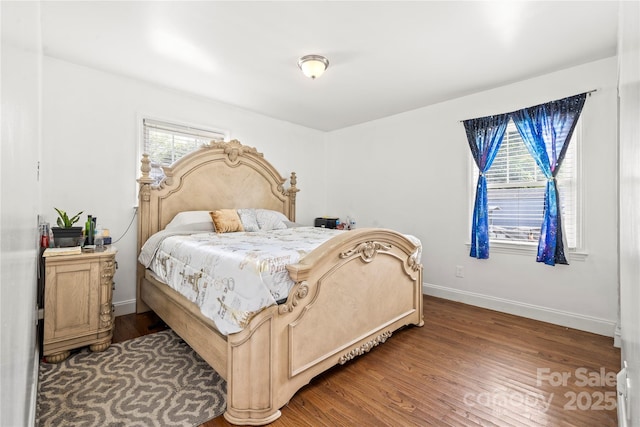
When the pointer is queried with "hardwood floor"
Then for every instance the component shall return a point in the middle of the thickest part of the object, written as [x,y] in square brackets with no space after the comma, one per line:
[466,366]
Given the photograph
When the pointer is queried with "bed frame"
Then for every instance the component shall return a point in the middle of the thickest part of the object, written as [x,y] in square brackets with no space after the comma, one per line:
[350,294]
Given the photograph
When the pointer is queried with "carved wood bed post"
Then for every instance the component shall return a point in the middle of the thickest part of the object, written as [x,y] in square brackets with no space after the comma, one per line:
[291,192]
[144,222]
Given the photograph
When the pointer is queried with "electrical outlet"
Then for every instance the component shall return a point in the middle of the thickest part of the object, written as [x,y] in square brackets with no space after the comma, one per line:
[459,271]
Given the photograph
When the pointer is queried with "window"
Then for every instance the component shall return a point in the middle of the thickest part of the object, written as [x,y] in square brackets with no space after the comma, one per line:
[167,142]
[516,188]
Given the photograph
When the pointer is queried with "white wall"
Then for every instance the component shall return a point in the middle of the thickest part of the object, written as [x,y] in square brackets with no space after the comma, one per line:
[411,172]
[90,137]
[629,66]
[19,207]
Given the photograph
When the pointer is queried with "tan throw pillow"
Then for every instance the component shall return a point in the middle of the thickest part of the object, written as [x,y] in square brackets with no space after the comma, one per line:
[226,220]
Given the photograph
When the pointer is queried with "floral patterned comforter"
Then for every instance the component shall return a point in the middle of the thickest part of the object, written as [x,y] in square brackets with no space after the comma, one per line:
[231,276]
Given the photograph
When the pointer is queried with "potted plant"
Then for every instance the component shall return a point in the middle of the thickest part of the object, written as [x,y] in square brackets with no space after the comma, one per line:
[65,234]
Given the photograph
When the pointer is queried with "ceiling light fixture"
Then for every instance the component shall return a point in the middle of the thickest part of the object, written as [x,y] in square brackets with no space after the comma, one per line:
[313,65]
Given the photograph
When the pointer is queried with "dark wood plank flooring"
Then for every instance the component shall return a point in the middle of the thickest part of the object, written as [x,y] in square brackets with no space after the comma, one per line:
[467,366]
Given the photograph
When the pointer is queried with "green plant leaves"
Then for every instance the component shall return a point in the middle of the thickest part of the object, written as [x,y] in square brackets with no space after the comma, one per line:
[64,221]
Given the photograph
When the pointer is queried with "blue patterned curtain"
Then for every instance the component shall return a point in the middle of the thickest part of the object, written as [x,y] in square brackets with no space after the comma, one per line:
[484,136]
[546,131]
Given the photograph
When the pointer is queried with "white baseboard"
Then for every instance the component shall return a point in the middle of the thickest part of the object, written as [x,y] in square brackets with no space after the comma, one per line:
[124,307]
[544,314]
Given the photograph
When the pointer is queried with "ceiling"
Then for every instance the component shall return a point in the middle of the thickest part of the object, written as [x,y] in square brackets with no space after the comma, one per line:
[386,57]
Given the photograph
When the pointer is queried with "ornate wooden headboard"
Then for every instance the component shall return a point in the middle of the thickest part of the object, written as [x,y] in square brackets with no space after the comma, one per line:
[216,176]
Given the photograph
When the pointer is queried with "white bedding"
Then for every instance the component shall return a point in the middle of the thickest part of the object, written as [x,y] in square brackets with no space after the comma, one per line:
[230,276]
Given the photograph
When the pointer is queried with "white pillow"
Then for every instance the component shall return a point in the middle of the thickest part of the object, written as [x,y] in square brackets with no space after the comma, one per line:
[271,220]
[248,219]
[191,220]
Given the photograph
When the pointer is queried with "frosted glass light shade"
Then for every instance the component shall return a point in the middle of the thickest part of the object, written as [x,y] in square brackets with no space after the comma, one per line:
[313,65]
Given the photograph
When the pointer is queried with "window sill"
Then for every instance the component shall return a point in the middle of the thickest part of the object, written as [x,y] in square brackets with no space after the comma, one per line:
[528,249]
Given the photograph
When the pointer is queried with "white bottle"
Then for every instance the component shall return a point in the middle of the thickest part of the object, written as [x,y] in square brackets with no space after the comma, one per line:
[347,223]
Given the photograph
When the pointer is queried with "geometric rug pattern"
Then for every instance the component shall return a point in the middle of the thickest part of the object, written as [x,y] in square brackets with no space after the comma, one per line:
[153,380]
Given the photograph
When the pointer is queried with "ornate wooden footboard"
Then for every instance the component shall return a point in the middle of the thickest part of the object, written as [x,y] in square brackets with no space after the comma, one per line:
[350,293]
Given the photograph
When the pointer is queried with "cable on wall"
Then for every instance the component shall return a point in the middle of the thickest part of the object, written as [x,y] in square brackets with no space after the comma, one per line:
[135,212]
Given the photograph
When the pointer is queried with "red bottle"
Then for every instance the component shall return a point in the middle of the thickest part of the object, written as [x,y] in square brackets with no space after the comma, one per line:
[44,240]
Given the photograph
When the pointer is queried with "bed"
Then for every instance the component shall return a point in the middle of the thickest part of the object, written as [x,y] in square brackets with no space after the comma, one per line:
[349,294]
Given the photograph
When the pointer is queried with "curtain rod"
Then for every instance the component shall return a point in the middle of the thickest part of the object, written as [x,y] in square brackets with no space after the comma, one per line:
[589,92]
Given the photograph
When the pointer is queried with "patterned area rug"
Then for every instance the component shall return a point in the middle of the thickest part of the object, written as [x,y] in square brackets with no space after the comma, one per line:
[154,380]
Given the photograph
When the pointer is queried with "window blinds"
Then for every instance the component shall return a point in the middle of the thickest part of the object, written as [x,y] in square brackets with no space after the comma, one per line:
[165,143]
[516,189]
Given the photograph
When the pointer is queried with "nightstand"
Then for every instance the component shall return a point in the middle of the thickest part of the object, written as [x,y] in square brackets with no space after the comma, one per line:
[78,292]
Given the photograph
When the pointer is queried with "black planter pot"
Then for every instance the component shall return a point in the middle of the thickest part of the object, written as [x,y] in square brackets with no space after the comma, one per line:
[67,237]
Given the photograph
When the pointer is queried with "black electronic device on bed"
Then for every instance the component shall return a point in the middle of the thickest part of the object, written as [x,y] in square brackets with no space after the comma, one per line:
[327,222]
